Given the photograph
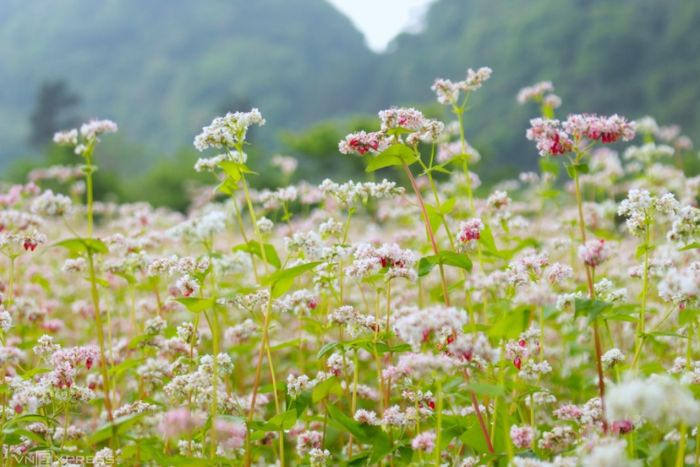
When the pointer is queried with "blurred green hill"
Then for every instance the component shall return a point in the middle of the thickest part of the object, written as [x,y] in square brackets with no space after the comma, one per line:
[163,68]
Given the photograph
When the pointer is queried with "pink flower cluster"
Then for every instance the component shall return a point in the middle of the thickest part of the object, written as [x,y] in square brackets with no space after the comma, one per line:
[555,138]
[361,143]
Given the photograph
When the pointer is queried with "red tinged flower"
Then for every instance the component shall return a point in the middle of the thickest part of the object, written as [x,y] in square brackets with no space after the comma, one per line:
[29,245]
[517,362]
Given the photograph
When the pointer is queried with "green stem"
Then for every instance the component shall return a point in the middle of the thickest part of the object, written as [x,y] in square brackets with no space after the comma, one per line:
[429,231]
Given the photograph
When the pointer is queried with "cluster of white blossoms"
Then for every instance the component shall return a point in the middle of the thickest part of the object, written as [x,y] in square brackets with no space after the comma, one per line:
[350,192]
[229,131]
[658,399]
[87,136]
[542,92]
[640,206]
[448,91]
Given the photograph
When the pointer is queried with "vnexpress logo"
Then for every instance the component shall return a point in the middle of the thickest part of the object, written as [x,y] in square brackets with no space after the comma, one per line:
[40,457]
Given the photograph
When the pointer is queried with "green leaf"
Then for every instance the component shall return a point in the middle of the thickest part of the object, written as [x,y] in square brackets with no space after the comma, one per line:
[253,247]
[486,239]
[643,248]
[690,246]
[448,206]
[396,154]
[283,421]
[282,280]
[235,170]
[105,431]
[197,304]
[326,388]
[590,308]
[580,168]
[549,165]
[449,258]
[434,217]
[79,245]
[228,186]
[326,349]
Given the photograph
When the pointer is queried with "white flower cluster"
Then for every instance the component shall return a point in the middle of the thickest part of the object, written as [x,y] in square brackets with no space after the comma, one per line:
[228,131]
[448,91]
[349,193]
[658,399]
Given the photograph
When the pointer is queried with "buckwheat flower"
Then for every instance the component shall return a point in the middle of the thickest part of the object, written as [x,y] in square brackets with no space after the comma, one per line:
[622,427]
[92,129]
[228,131]
[522,436]
[366,417]
[558,439]
[472,347]
[658,399]
[286,164]
[609,452]
[534,93]
[136,407]
[265,225]
[155,326]
[406,118]
[552,100]
[685,226]
[647,125]
[594,252]
[187,286]
[447,92]
[471,461]
[531,370]
[330,228]
[74,265]
[297,384]
[430,132]
[5,320]
[337,366]
[612,357]
[557,273]
[66,138]
[319,458]
[475,79]
[470,230]
[50,204]
[648,152]
[361,143]
[668,133]
[210,164]
[105,457]
[230,434]
[594,128]
[417,326]
[636,208]
[498,200]
[393,417]
[241,332]
[424,441]
[307,441]
[179,422]
[549,136]
[299,302]
[448,151]
[568,412]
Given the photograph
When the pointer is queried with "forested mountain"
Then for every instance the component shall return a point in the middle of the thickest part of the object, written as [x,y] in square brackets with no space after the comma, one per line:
[163,68]
[633,57]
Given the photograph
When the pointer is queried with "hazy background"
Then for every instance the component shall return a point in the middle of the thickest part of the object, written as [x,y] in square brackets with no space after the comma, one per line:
[164,68]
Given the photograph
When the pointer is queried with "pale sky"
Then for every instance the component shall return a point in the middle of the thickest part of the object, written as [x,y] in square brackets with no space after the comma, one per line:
[382,20]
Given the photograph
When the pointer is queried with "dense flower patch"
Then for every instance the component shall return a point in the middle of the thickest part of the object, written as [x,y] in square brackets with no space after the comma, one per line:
[418,320]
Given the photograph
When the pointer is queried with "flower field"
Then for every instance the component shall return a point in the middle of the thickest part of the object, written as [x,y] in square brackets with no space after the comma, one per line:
[420,318]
